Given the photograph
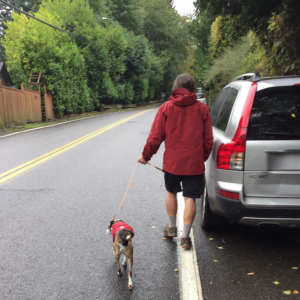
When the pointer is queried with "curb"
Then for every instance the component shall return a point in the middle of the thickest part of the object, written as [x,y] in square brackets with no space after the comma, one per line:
[190,283]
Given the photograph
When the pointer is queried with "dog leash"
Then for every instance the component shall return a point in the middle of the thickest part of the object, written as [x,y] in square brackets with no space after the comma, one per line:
[112,220]
[155,167]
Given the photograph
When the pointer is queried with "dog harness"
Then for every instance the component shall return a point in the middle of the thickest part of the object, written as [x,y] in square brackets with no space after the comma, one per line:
[119,226]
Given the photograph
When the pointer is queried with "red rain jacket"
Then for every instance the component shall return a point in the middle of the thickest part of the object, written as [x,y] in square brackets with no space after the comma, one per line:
[119,226]
[185,125]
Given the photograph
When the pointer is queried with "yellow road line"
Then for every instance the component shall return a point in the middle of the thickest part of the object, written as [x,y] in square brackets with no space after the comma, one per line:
[34,162]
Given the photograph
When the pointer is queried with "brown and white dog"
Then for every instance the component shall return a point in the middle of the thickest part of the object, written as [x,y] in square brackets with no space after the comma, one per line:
[122,235]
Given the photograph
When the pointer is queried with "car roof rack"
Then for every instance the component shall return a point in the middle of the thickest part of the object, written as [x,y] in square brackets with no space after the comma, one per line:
[254,77]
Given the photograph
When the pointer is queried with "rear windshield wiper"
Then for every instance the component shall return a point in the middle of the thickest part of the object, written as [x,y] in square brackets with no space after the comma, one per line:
[282,134]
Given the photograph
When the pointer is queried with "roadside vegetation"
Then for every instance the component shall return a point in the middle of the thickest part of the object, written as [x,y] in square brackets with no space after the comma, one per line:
[235,37]
[130,51]
[116,52]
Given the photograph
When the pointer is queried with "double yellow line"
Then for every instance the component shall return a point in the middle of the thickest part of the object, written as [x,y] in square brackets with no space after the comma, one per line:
[30,164]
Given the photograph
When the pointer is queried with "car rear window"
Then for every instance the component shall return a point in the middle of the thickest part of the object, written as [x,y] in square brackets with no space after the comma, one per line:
[199,95]
[275,114]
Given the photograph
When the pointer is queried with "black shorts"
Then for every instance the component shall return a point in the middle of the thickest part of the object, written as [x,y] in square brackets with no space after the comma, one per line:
[192,185]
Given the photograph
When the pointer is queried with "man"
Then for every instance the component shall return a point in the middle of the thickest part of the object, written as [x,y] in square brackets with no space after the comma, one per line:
[185,125]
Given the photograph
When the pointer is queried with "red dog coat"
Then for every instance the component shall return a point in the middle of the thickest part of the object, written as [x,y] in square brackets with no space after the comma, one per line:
[119,226]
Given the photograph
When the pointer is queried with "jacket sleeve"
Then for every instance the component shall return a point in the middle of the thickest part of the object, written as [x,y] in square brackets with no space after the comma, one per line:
[156,136]
[208,138]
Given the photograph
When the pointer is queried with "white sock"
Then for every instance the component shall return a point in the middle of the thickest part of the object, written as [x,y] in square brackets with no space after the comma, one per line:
[172,221]
[186,230]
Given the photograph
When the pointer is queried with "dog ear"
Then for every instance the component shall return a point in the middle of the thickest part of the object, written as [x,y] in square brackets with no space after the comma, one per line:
[111,223]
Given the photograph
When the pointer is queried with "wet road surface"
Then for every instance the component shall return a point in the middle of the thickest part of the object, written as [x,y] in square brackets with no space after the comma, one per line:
[53,217]
[269,254]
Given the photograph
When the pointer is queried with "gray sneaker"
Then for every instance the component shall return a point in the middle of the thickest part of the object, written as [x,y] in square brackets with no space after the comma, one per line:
[170,232]
[186,243]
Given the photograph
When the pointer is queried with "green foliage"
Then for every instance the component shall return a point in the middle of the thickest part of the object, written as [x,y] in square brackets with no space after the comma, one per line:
[102,60]
[225,68]
[128,13]
[32,46]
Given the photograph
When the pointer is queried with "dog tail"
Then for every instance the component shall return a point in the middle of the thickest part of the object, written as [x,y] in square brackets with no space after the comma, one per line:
[125,236]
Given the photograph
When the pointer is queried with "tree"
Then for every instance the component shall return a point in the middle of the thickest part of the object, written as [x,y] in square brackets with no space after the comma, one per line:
[128,13]
[33,46]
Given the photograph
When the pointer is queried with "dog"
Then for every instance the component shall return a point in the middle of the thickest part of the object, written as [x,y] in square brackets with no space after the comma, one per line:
[122,235]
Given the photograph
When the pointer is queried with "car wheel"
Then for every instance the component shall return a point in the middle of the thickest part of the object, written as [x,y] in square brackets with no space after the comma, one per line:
[210,221]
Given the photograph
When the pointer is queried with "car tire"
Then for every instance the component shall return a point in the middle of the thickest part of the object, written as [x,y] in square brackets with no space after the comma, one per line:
[208,220]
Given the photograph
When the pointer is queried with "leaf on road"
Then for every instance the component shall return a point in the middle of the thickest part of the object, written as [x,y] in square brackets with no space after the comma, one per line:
[221,248]
[176,270]
[295,292]
[293,115]
[294,268]
[251,274]
[153,226]
[287,292]
[211,282]
[211,239]
[164,238]
[215,260]
[276,282]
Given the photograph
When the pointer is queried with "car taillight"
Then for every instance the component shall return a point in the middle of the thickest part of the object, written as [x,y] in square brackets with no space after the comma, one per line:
[230,156]
[229,195]
[204,96]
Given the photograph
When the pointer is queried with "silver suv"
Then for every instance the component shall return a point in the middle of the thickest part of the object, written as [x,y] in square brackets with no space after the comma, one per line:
[253,173]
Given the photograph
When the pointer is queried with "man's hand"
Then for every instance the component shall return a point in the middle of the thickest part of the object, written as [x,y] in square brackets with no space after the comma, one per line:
[142,160]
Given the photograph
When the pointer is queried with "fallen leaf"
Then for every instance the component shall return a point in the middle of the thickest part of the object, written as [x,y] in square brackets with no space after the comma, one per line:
[211,239]
[287,292]
[164,238]
[176,270]
[293,115]
[161,185]
[295,292]
[215,260]
[211,282]
[221,248]
[276,282]
[251,274]
[153,226]
[294,268]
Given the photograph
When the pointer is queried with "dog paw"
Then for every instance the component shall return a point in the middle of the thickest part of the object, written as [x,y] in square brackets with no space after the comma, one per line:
[124,263]
[130,286]
[120,273]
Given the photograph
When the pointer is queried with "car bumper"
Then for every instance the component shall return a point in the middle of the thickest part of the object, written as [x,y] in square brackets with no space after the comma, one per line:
[234,210]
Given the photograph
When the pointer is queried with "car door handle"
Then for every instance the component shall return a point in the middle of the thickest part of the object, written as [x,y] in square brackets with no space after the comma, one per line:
[283,151]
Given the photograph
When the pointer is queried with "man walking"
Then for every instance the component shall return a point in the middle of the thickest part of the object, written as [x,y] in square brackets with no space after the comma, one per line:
[185,125]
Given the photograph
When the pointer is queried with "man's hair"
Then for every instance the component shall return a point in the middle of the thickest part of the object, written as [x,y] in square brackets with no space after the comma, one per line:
[186,81]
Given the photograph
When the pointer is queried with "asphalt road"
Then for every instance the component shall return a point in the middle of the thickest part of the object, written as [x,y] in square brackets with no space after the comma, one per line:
[53,219]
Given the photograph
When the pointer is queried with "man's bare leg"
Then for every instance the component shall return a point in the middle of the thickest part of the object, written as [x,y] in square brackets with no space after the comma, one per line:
[188,216]
[171,206]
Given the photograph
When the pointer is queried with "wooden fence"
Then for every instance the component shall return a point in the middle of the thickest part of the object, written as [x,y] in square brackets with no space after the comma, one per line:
[49,113]
[22,106]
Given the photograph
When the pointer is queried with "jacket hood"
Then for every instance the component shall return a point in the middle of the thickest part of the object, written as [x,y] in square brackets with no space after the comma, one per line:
[183,97]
